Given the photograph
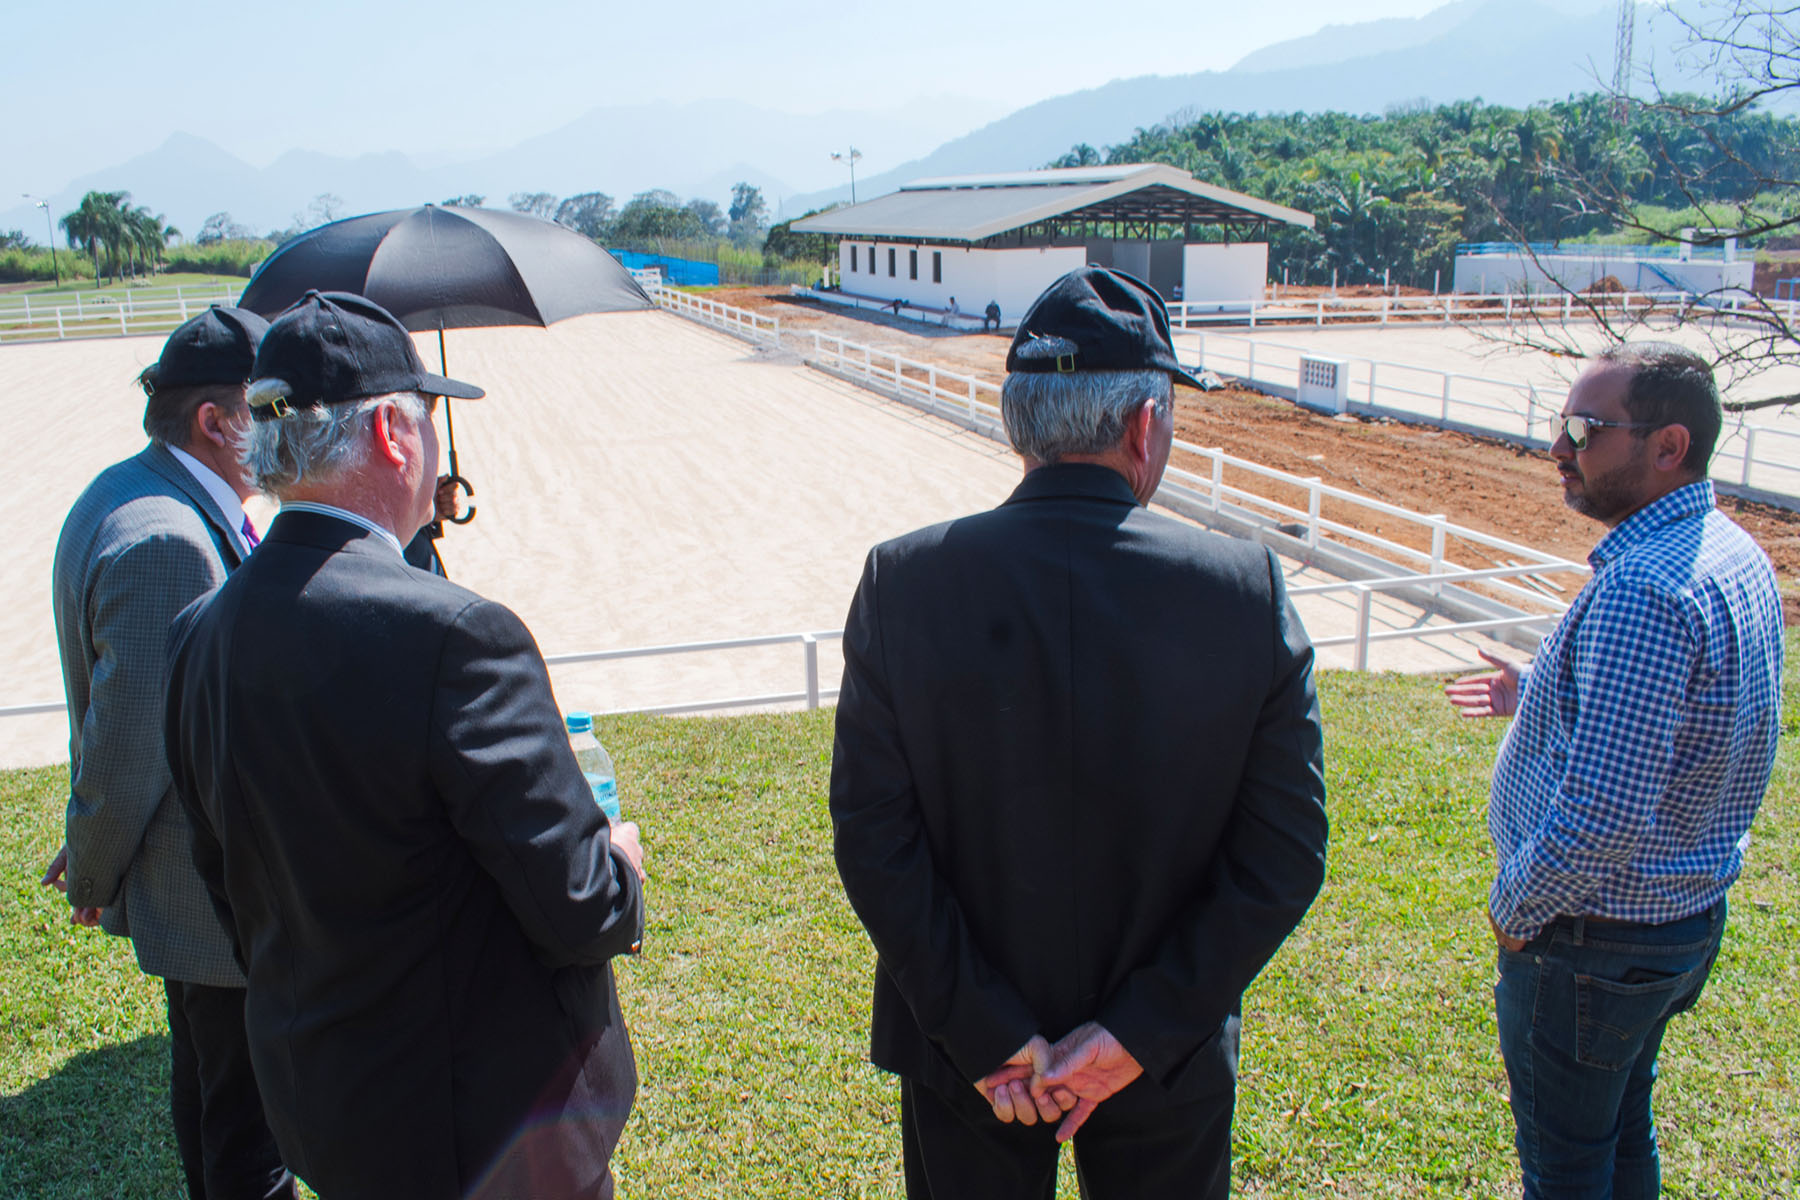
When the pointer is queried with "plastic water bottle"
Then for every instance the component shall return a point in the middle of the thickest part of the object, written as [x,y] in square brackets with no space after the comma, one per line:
[596,764]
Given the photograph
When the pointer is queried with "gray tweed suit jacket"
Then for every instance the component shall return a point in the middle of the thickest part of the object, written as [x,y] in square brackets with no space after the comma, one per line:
[139,545]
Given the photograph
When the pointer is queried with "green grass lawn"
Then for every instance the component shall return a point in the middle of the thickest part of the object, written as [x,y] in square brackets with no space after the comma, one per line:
[152,285]
[1369,1068]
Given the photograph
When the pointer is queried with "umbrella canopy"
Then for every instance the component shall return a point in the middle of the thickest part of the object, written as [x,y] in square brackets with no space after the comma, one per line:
[449,268]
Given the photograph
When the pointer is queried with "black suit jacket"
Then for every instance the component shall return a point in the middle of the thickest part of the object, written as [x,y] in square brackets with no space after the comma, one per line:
[420,887]
[1077,776]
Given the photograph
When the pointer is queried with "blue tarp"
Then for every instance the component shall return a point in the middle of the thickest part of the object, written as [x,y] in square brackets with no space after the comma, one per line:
[682,272]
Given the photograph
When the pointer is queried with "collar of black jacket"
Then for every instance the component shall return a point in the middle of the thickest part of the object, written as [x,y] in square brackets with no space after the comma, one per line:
[1089,481]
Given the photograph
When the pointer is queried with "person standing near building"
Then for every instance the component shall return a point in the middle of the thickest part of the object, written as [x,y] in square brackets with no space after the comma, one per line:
[1622,800]
[148,536]
[1077,789]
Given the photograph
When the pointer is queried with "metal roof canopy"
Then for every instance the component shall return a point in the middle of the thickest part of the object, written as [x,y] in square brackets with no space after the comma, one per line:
[1042,207]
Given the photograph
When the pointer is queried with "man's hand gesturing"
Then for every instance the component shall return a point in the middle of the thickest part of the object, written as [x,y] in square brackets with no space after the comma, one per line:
[1490,694]
[1091,1064]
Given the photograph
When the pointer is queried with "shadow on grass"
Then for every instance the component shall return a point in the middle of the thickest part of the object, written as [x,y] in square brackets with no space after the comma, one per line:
[99,1126]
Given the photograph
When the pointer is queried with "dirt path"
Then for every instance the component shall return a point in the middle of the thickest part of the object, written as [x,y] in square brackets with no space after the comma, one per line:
[1483,483]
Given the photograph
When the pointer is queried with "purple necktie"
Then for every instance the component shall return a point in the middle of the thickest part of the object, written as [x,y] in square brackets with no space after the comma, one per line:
[250,538]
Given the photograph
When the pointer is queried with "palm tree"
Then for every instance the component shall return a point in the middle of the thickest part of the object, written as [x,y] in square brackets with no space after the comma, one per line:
[147,236]
[101,220]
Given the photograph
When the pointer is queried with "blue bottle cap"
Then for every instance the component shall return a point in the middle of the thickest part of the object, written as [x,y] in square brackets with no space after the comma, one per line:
[580,722]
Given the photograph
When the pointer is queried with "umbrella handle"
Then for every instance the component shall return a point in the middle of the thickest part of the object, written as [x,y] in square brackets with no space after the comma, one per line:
[455,476]
[468,489]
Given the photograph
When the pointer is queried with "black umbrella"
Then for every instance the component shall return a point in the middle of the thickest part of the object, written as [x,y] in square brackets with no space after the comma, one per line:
[449,268]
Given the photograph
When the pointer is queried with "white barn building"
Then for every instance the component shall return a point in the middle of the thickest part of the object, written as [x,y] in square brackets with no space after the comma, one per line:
[1005,238]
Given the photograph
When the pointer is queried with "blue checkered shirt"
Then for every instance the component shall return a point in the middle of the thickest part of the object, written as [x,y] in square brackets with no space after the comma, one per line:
[1646,729]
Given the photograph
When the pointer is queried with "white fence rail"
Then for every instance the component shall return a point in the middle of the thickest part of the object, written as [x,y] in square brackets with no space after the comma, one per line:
[1763,457]
[739,321]
[973,402]
[1459,308]
[128,313]
[811,694]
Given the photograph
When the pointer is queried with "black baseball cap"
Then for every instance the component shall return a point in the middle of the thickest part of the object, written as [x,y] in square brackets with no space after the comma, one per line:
[335,348]
[1096,319]
[218,346]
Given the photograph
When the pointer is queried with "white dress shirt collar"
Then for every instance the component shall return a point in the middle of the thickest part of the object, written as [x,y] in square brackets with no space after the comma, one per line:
[344,514]
[220,491]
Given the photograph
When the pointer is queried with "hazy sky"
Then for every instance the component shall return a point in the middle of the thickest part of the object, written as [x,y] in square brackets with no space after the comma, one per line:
[93,86]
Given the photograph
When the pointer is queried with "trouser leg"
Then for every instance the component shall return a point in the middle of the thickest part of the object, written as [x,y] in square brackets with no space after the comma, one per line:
[953,1147]
[1181,1153]
[1637,1164]
[184,1093]
[1582,1010]
[238,1155]
[1131,1151]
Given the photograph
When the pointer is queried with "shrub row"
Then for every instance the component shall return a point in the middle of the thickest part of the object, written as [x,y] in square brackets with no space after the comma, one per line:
[33,263]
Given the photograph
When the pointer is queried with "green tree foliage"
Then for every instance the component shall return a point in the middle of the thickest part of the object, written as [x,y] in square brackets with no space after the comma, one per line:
[587,213]
[101,225]
[220,228]
[712,217]
[536,204]
[14,239]
[1080,155]
[471,200]
[784,243]
[1398,192]
[748,213]
[651,218]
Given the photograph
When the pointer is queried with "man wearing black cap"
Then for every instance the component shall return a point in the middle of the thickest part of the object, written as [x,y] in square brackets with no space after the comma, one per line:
[387,812]
[1077,789]
[148,536]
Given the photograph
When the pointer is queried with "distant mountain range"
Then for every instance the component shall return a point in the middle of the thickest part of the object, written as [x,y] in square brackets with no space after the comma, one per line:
[1514,52]
[1504,51]
[695,149]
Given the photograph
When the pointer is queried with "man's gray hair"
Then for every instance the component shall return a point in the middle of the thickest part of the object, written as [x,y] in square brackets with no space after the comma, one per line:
[316,443]
[169,412]
[1050,415]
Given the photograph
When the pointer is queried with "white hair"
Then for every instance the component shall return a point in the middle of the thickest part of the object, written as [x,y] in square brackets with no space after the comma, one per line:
[1049,415]
[316,443]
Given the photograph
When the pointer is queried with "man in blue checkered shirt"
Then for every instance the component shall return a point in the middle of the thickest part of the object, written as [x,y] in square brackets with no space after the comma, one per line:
[1623,796]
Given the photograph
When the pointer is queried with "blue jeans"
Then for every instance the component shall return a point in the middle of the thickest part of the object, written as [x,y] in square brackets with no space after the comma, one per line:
[1582,1009]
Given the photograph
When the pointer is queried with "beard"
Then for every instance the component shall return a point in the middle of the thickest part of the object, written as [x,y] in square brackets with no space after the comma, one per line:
[1608,497]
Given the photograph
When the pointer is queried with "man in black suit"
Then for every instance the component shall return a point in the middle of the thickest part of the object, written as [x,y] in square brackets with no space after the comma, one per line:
[1077,789]
[422,891]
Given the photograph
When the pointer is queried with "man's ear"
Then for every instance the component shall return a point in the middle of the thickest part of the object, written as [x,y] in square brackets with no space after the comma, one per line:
[1669,446]
[1138,430]
[386,433]
[210,424]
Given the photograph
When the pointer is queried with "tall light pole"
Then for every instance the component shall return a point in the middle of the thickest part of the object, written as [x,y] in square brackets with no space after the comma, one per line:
[49,228]
[850,160]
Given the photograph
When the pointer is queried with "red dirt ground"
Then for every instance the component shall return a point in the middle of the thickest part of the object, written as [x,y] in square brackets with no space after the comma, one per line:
[1483,483]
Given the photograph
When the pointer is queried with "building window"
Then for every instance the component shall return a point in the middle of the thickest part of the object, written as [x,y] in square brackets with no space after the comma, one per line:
[852,257]
[871,260]
[912,264]
[891,255]
[937,266]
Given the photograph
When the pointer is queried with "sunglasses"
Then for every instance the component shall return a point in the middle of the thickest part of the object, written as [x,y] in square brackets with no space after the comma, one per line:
[1578,427]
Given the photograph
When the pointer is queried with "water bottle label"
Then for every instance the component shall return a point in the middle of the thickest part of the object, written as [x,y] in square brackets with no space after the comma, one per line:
[606,795]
